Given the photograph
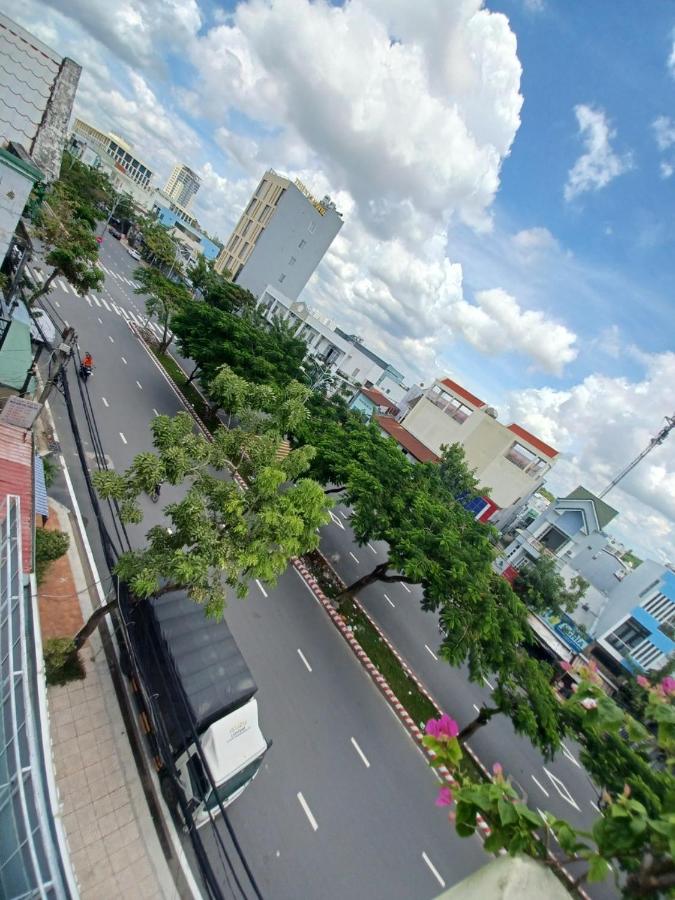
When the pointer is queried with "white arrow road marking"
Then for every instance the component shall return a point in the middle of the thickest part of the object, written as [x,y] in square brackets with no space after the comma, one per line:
[561,789]
[540,786]
[568,753]
[434,870]
[361,753]
[335,519]
[307,811]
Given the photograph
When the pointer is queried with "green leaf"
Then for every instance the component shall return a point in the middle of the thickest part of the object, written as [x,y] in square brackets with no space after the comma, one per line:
[507,813]
[598,869]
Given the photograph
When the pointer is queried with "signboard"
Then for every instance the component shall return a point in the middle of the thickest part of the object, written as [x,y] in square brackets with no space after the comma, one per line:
[19,412]
[574,636]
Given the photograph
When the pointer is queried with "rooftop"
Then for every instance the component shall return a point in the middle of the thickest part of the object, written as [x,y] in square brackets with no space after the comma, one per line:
[16,477]
[604,511]
[467,395]
[403,437]
[533,440]
[378,398]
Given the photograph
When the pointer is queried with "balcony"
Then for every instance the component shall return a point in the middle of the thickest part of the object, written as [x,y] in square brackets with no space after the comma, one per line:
[449,405]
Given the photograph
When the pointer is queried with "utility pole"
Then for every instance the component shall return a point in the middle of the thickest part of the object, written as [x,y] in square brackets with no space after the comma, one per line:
[655,442]
[61,356]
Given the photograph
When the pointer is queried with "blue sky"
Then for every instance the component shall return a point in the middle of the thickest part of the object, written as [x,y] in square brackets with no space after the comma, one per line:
[508,212]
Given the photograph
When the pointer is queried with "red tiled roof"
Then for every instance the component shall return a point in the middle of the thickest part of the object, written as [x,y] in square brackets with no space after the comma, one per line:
[467,395]
[378,398]
[534,441]
[16,477]
[403,437]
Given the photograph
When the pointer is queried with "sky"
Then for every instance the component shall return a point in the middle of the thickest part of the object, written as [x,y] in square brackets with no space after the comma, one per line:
[505,170]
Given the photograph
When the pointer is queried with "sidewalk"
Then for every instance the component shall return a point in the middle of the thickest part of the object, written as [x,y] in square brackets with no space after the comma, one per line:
[112,839]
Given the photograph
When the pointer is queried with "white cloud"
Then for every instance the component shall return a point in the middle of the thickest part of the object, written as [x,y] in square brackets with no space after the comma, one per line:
[671,60]
[426,123]
[601,424]
[609,342]
[664,132]
[666,169]
[531,243]
[533,5]
[599,164]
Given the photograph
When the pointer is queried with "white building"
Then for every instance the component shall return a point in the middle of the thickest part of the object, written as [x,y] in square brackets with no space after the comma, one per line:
[182,185]
[280,238]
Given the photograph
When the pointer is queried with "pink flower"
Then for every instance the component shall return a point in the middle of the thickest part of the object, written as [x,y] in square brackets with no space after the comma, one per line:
[442,729]
[668,685]
[444,797]
[642,681]
[497,770]
[565,666]
[589,703]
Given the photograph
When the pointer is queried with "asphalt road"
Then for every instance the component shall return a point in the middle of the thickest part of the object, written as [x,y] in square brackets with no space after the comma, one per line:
[344,805]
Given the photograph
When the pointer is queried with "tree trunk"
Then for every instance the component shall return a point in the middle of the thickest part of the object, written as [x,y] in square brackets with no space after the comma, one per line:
[483,717]
[92,622]
[193,373]
[335,490]
[379,573]
[45,287]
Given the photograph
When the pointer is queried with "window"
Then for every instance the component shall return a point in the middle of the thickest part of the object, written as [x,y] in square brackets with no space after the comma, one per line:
[553,539]
[661,608]
[525,459]
[627,636]
[450,405]
[282,278]
[302,244]
[291,261]
[312,227]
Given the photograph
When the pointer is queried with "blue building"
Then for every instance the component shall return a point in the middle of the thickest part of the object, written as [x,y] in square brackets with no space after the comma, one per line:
[186,228]
[370,401]
[642,639]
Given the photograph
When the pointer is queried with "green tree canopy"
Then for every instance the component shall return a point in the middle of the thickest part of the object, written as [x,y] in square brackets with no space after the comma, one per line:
[221,537]
[160,247]
[89,191]
[213,337]
[165,298]
[70,244]
[456,476]
[542,588]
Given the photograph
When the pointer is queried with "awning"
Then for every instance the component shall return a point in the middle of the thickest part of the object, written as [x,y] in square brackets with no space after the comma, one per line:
[41,505]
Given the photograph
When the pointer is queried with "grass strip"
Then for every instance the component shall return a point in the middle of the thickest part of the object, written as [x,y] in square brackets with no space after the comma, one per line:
[191,394]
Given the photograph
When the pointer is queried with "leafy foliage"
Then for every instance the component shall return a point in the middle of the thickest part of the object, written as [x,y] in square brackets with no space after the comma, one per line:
[542,588]
[90,191]
[221,536]
[457,478]
[159,246]
[49,545]
[62,662]
[164,299]
[213,337]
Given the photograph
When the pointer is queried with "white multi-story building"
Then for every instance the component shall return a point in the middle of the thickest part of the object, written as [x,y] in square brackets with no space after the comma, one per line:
[507,459]
[182,185]
[114,152]
[280,238]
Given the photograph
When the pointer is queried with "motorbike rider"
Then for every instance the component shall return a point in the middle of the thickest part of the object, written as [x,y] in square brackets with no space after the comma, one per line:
[88,360]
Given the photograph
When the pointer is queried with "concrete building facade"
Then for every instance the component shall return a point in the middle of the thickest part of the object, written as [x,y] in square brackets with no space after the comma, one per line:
[185,228]
[280,238]
[114,152]
[37,92]
[182,185]
[507,459]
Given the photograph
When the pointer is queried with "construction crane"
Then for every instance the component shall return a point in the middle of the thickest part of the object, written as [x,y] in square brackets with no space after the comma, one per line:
[655,442]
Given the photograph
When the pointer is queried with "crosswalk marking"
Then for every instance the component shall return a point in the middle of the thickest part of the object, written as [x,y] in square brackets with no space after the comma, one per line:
[117,309]
[133,284]
[96,300]
[105,304]
[88,299]
[125,313]
[63,285]
[137,321]
[38,276]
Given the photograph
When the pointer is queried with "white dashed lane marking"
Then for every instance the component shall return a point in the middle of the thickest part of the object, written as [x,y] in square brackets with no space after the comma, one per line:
[389,601]
[105,402]
[540,786]
[353,557]
[434,870]
[307,811]
[431,652]
[262,589]
[124,440]
[361,753]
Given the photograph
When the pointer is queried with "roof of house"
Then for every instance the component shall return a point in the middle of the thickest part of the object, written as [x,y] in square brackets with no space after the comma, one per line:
[16,356]
[467,395]
[406,440]
[378,398]
[603,511]
[16,477]
[533,440]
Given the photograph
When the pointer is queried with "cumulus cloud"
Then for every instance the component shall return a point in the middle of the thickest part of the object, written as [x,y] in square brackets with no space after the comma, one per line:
[664,135]
[601,424]
[599,164]
[427,122]
[530,243]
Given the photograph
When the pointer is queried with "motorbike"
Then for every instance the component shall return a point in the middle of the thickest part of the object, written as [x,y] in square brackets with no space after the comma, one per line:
[85,371]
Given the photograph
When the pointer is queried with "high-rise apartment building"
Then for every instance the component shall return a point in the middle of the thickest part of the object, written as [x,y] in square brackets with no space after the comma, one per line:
[280,238]
[182,185]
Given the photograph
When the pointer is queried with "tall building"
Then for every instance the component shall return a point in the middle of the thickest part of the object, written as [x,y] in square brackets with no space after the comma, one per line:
[114,153]
[37,91]
[280,238]
[182,185]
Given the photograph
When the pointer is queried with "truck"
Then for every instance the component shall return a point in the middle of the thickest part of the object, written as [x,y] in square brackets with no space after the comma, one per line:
[204,693]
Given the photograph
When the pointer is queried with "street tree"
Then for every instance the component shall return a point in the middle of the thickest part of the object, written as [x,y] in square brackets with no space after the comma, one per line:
[281,410]
[70,244]
[542,588]
[213,337]
[220,536]
[164,299]
[456,476]
[630,841]
[89,190]
[160,247]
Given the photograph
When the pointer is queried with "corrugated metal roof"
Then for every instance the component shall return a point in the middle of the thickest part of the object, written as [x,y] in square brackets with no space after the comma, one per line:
[16,477]
[16,357]
[41,502]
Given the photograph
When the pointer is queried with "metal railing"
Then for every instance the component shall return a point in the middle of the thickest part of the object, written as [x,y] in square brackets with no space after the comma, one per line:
[30,858]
